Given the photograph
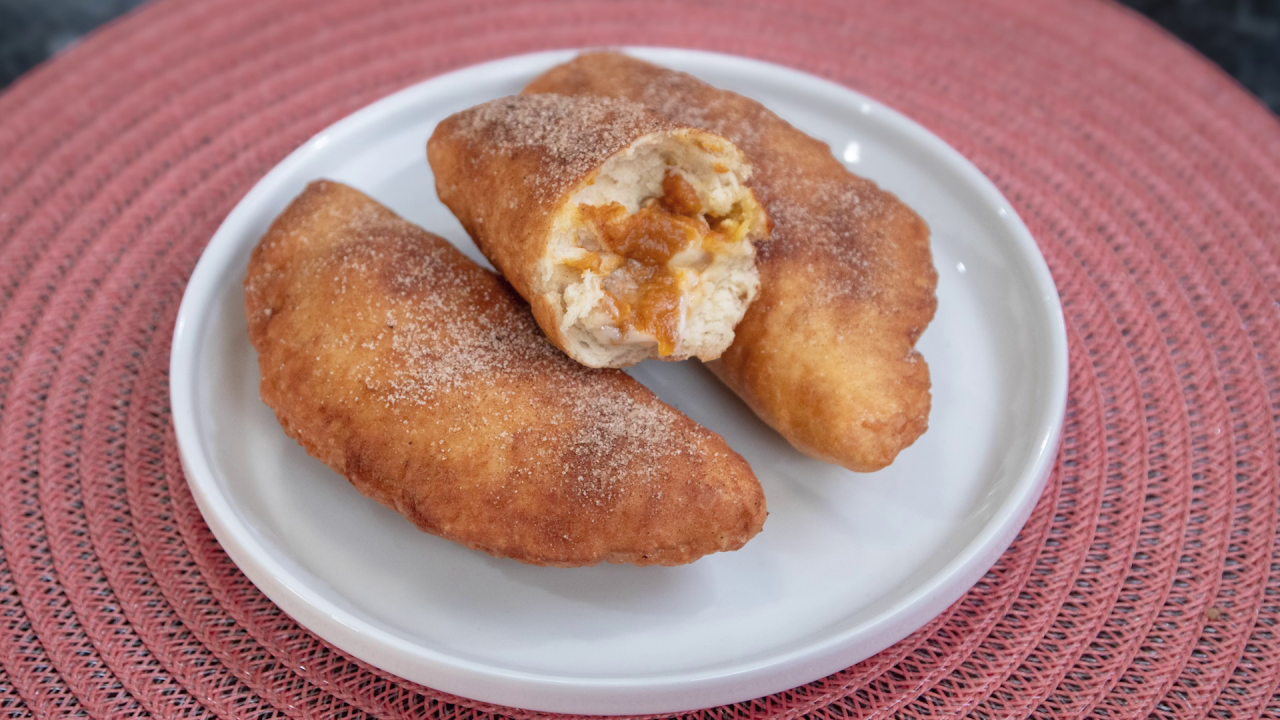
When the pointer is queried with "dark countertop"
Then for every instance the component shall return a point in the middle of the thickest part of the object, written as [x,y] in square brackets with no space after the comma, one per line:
[33,30]
[1241,36]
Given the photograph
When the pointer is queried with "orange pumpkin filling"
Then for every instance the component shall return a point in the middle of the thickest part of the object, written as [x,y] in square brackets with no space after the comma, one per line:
[644,291]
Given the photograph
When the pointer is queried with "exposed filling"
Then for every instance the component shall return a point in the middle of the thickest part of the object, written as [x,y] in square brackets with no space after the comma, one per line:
[649,258]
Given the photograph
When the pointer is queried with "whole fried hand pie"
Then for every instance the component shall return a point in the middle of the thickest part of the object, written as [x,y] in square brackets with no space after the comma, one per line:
[826,354]
[630,236]
[424,380]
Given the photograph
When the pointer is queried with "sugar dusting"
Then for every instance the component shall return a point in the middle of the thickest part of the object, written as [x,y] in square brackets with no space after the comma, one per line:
[829,219]
[573,135]
[622,424]
[445,335]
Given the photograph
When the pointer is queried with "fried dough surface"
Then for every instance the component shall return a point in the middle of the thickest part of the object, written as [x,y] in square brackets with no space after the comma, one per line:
[826,353]
[424,380]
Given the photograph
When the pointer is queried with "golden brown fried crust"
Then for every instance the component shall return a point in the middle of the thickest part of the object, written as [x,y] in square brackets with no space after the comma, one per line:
[423,379]
[504,169]
[826,354]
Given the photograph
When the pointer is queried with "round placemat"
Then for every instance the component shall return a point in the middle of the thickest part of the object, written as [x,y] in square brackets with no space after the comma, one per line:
[1147,580]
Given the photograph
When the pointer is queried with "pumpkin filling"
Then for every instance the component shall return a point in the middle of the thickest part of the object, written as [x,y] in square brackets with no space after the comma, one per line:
[650,258]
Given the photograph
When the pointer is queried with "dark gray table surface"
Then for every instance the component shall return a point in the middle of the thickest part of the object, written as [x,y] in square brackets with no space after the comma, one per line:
[1241,36]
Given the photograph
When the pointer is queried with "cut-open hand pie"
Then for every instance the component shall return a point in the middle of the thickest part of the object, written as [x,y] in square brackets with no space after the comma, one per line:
[423,379]
[826,353]
[631,236]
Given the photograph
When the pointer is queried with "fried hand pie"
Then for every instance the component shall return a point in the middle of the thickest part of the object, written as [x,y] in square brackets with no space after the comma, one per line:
[423,379]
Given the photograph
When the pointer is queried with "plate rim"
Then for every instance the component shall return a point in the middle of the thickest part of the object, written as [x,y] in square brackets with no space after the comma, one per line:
[557,692]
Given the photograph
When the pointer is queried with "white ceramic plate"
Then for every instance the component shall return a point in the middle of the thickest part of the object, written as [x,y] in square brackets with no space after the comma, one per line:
[847,564]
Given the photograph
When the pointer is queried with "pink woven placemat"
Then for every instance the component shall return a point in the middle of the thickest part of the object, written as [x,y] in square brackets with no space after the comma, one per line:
[1147,581]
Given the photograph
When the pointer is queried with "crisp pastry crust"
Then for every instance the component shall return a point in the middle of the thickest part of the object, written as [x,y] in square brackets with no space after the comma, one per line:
[424,380]
[826,354]
[632,237]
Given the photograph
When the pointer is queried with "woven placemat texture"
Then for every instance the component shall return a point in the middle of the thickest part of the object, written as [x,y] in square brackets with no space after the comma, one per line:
[1147,581]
